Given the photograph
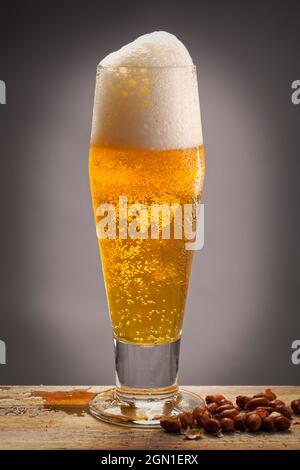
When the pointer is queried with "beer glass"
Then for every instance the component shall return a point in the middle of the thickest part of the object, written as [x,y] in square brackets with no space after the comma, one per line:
[146,165]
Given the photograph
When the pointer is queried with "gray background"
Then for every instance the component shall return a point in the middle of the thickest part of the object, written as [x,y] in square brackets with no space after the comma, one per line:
[243,307]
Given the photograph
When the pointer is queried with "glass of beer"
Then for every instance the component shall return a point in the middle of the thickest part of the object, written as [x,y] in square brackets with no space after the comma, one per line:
[146,167]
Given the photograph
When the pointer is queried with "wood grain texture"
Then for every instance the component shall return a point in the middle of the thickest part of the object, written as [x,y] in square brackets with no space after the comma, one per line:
[56,418]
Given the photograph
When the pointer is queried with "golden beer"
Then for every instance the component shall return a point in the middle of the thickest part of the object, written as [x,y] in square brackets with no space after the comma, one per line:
[146,279]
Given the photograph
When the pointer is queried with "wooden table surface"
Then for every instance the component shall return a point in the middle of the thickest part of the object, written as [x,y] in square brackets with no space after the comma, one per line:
[56,418]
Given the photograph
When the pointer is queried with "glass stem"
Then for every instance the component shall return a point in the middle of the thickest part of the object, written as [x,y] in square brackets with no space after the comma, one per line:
[146,370]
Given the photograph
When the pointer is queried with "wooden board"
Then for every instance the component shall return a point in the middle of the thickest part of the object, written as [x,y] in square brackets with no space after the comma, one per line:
[57,418]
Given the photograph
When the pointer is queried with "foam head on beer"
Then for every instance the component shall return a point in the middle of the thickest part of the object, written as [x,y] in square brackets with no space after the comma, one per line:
[139,96]
[158,49]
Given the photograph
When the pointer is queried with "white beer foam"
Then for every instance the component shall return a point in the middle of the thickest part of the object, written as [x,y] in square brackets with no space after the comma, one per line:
[147,96]
[158,49]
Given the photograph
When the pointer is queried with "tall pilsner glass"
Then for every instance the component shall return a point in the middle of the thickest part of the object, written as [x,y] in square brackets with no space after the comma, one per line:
[150,158]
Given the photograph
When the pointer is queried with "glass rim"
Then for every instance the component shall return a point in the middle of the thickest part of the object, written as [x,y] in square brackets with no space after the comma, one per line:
[147,67]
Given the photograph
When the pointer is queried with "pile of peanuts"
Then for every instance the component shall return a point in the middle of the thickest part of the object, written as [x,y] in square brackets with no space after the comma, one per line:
[259,412]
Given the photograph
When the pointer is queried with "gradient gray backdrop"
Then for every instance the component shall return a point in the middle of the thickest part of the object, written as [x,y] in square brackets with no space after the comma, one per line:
[243,307]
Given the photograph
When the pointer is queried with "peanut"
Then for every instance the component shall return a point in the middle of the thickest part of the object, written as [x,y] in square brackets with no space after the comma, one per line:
[201,415]
[225,407]
[170,423]
[263,412]
[186,419]
[253,422]
[270,394]
[212,426]
[295,405]
[260,395]
[212,407]
[282,423]
[231,413]
[227,425]
[242,400]
[284,410]
[268,424]
[214,399]
[256,402]
[199,410]
[240,422]
[275,403]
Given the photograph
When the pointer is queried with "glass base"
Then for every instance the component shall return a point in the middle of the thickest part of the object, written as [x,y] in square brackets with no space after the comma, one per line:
[144,411]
